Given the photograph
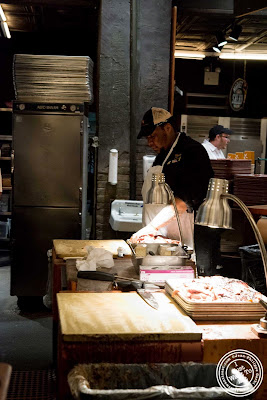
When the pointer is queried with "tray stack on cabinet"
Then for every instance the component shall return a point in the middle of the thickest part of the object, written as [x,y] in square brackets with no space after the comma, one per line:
[52,78]
[199,309]
[227,168]
[251,189]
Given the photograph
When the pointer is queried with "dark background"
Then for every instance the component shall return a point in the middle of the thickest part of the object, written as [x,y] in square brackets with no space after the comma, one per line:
[189,77]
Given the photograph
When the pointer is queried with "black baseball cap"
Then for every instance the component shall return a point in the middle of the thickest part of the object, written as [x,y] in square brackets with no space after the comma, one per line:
[152,118]
[218,130]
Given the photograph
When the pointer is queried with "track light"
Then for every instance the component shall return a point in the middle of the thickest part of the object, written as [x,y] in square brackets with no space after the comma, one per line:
[221,39]
[3,24]
[217,48]
[235,33]
[5,29]
[2,14]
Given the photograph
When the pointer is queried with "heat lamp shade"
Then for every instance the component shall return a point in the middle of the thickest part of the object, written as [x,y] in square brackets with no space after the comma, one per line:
[215,211]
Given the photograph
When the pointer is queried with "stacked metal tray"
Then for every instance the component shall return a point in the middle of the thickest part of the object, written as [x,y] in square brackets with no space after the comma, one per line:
[250,310]
[53,78]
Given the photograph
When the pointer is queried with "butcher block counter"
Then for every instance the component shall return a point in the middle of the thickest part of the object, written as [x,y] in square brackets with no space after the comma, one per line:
[93,329]
[220,337]
[122,327]
[77,248]
[65,248]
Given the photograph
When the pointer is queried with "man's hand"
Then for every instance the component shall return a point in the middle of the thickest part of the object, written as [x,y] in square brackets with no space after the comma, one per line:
[148,229]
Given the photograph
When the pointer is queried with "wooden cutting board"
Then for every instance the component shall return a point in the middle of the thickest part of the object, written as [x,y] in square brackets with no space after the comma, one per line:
[76,248]
[122,316]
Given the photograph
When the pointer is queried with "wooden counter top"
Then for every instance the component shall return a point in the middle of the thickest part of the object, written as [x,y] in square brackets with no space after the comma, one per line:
[258,209]
[127,330]
[220,337]
[76,248]
[122,316]
[227,330]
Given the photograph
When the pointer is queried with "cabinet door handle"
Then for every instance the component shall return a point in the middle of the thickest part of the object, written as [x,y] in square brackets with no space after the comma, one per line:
[12,161]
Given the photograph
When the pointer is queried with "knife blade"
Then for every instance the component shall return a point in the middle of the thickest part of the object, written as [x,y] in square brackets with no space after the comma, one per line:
[148,297]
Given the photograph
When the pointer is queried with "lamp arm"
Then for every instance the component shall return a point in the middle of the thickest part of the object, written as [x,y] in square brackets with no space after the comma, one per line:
[254,227]
[170,192]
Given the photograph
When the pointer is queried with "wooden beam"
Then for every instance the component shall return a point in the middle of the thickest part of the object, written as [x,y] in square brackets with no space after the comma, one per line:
[245,7]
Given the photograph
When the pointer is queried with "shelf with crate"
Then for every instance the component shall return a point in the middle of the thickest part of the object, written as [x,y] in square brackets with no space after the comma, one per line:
[7,138]
[5,166]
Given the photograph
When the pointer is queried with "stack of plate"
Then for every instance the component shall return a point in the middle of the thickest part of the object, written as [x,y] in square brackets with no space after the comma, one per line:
[251,189]
[227,169]
[218,309]
[53,78]
[229,246]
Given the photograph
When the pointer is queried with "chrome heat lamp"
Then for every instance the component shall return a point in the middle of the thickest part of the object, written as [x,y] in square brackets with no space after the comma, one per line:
[215,212]
[161,193]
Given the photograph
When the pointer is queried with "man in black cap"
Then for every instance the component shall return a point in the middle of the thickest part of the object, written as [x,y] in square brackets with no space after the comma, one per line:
[187,170]
[219,137]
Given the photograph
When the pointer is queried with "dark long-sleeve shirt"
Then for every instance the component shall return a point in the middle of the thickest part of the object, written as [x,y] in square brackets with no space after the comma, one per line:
[187,170]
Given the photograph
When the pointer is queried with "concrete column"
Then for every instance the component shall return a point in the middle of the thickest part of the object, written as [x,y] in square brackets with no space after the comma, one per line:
[150,81]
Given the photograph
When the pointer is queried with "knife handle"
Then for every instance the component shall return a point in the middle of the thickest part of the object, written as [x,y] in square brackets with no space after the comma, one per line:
[96,275]
[128,286]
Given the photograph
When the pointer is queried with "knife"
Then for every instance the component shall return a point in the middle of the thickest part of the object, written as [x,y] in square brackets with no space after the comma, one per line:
[101,276]
[106,276]
[148,297]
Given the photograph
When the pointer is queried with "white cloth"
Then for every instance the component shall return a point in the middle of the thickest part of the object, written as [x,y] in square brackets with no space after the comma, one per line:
[151,210]
[213,152]
[96,258]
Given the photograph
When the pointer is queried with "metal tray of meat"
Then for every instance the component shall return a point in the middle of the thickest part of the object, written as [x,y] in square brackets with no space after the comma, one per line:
[152,247]
[222,298]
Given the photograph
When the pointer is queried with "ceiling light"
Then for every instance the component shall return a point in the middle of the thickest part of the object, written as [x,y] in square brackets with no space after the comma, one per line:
[235,33]
[189,55]
[243,56]
[2,14]
[221,39]
[217,49]
[5,30]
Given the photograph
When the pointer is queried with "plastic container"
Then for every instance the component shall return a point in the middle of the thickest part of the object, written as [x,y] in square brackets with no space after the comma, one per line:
[4,203]
[252,267]
[146,381]
[3,230]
